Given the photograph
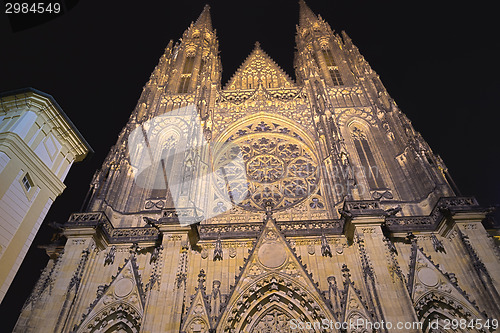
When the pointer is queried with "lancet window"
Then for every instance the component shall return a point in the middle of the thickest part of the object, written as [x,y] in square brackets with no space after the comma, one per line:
[368,165]
[164,168]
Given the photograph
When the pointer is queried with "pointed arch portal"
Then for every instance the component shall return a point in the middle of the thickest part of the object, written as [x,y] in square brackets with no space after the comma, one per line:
[435,309]
[274,301]
[118,317]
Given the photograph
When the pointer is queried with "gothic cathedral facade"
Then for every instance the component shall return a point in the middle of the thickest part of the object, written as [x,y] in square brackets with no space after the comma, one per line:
[269,205]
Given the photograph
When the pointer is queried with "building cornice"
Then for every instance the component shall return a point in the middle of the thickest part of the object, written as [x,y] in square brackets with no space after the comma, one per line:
[46,105]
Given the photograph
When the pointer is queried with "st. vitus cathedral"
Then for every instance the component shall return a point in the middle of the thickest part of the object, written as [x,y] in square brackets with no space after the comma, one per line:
[269,205]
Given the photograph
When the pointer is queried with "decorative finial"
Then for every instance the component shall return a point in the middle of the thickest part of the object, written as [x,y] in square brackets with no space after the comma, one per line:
[218,254]
[346,272]
[437,244]
[268,204]
[325,247]
[201,277]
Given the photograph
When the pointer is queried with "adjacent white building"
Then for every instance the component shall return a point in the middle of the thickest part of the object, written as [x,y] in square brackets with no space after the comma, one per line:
[38,145]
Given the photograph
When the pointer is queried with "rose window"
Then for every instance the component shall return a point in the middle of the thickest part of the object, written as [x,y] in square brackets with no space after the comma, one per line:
[265,168]
[279,168]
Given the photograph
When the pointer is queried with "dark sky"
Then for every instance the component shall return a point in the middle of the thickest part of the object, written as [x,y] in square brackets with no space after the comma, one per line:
[438,60]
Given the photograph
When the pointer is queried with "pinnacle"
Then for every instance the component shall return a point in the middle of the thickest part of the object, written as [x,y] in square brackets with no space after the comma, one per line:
[305,13]
[201,276]
[204,19]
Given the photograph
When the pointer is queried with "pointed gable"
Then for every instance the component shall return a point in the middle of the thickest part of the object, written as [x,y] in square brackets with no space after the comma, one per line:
[354,307]
[259,69]
[428,286]
[273,284]
[119,304]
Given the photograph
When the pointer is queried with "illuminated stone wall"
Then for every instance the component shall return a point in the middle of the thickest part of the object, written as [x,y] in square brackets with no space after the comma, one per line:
[344,214]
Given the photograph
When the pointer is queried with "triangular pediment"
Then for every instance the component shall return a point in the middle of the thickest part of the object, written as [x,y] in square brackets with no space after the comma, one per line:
[273,280]
[259,69]
[427,284]
[121,303]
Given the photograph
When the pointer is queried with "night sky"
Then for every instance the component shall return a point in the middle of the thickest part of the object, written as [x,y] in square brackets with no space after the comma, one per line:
[438,61]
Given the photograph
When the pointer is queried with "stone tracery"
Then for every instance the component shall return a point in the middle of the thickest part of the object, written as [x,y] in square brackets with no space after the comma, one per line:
[279,165]
[119,317]
[274,320]
[268,301]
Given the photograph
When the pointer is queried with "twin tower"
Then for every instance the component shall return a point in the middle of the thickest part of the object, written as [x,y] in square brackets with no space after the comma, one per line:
[269,205]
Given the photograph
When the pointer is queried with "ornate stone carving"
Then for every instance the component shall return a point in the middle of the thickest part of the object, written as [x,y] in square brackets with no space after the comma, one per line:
[280,167]
[291,139]
[430,222]
[437,244]
[110,256]
[156,253]
[204,253]
[432,290]
[154,204]
[114,235]
[218,254]
[310,249]
[273,321]
[119,303]
[325,247]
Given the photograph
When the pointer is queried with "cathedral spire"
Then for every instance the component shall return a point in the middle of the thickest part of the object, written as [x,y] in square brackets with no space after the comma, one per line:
[196,57]
[319,52]
[306,15]
[204,20]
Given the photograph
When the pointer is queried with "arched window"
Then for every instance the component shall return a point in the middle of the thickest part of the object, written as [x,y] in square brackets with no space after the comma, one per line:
[164,168]
[368,165]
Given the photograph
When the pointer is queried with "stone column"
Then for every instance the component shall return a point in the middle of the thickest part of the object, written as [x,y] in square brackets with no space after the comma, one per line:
[484,256]
[165,299]
[50,315]
[389,296]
